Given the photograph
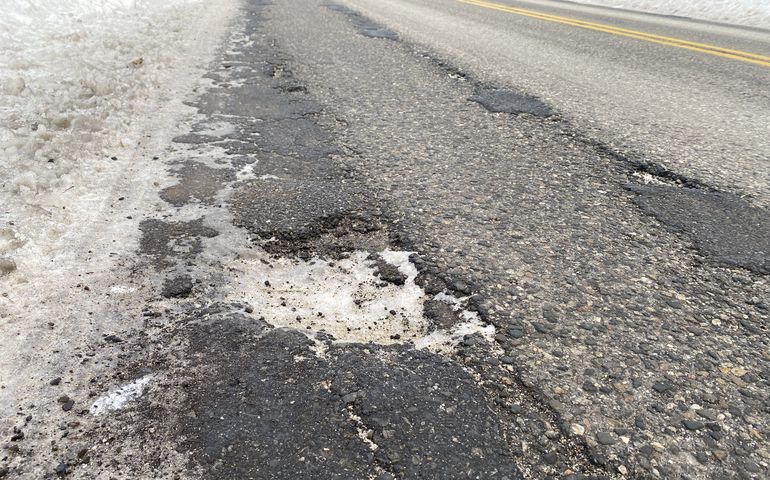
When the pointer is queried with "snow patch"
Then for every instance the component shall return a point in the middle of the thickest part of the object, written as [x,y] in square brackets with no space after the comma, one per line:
[346,299]
[79,80]
[443,341]
[400,260]
[118,398]
[448,299]
[121,289]
[341,297]
[74,74]
[245,173]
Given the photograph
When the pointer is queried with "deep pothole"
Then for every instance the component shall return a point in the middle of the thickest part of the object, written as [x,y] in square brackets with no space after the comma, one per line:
[351,301]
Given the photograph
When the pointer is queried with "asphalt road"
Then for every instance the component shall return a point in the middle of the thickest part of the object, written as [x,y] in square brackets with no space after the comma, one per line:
[703,115]
[584,215]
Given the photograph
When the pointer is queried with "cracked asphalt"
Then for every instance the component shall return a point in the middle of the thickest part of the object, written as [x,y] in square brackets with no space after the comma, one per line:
[605,299]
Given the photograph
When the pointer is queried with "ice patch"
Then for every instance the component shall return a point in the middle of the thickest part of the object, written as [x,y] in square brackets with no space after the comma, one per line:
[118,398]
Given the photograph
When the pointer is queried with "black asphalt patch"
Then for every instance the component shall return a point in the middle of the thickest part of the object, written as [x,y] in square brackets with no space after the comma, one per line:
[263,405]
[198,182]
[725,227]
[441,314]
[657,170]
[299,137]
[387,272]
[271,164]
[365,26]
[499,100]
[177,287]
[166,242]
[292,190]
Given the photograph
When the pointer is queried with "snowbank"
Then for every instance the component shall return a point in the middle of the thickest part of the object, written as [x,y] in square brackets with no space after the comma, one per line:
[79,79]
[72,74]
[755,13]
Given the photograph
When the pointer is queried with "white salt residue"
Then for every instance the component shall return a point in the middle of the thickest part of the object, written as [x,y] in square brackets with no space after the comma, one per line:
[754,13]
[647,179]
[319,348]
[268,177]
[364,434]
[117,399]
[342,297]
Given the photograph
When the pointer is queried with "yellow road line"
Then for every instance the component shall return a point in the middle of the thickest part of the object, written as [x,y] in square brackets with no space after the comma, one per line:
[754,58]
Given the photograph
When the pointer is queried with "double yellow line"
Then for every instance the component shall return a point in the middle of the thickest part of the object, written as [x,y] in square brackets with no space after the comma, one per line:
[624,32]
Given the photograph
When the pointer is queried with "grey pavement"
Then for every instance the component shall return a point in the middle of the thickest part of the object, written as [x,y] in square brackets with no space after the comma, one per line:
[703,116]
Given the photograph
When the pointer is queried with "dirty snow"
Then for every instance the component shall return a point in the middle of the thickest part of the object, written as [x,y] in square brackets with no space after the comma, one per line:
[755,13]
[120,397]
[342,297]
[345,299]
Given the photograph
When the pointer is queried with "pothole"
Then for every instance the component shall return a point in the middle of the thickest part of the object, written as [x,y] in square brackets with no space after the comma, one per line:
[350,301]
[500,100]
[647,172]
